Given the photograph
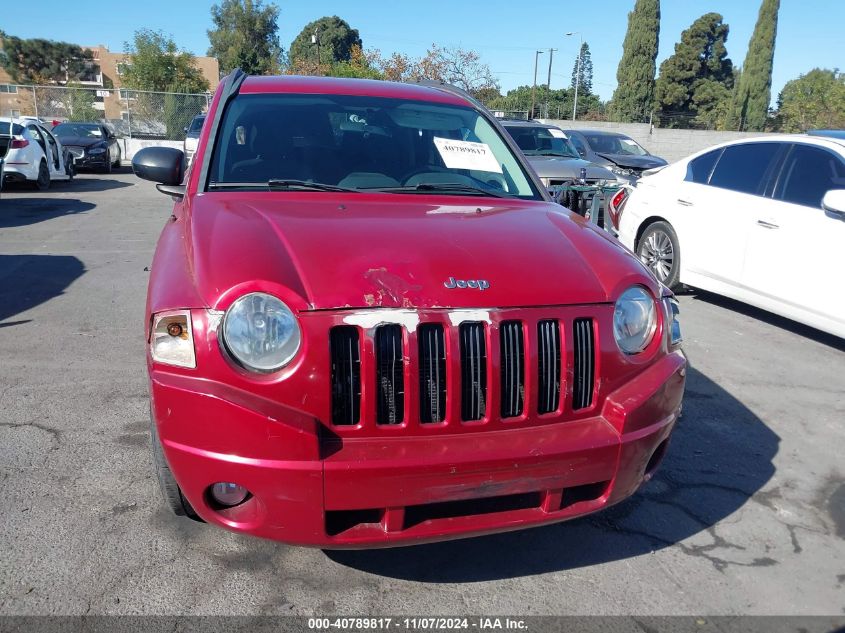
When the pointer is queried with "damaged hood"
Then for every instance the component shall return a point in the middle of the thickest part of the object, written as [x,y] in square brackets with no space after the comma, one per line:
[560,168]
[403,251]
[638,163]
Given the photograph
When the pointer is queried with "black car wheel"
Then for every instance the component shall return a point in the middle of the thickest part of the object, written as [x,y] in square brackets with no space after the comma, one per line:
[117,160]
[170,490]
[42,183]
[107,167]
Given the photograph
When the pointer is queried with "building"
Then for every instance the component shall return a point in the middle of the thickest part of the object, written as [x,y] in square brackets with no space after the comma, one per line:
[103,81]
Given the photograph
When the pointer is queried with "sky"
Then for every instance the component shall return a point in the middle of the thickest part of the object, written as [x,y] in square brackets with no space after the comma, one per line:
[504,32]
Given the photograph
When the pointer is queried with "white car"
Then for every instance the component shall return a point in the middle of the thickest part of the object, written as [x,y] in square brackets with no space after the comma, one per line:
[33,154]
[760,220]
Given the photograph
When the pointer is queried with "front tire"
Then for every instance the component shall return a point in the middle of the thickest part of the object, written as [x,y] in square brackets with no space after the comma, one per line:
[42,183]
[117,160]
[659,250]
[170,490]
[106,169]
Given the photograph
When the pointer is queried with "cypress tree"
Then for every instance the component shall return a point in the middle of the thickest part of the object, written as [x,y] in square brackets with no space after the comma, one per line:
[754,88]
[583,73]
[695,83]
[634,94]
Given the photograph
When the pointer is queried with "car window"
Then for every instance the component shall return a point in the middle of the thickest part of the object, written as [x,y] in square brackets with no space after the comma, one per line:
[81,130]
[611,144]
[35,135]
[808,173]
[699,169]
[541,141]
[196,125]
[579,146]
[16,129]
[744,167]
[362,142]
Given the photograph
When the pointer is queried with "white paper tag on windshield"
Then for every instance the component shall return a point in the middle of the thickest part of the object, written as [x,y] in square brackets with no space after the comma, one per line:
[557,133]
[467,155]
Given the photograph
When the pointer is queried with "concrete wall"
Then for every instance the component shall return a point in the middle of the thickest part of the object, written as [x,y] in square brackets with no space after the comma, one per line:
[132,145]
[667,143]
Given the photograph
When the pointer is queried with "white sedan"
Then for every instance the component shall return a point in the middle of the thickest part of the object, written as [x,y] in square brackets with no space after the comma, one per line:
[32,154]
[760,220]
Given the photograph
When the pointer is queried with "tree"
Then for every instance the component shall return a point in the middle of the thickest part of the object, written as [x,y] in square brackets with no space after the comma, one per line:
[696,82]
[154,62]
[245,36]
[457,66]
[78,103]
[583,73]
[361,65]
[39,61]
[633,98]
[754,88]
[329,37]
[814,100]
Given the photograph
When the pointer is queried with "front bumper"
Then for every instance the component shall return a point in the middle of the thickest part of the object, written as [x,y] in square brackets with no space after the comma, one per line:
[97,161]
[311,487]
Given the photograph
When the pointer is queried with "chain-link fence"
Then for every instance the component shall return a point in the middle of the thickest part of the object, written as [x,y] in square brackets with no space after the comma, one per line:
[133,113]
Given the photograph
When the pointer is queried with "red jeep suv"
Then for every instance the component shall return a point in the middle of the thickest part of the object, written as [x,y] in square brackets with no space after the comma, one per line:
[368,325]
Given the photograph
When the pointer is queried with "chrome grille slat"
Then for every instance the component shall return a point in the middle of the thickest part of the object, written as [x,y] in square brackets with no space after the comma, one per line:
[345,355]
[512,374]
[584,370]
[432,361]
[390,375]
[548,344]
[473,371]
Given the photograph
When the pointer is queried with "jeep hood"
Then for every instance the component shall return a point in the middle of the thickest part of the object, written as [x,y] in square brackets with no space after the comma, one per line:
[399,251]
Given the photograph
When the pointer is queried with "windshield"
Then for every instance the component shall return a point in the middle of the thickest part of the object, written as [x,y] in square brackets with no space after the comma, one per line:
[542,141]
[363,143]
[609,144]
[196,125]
[78,129]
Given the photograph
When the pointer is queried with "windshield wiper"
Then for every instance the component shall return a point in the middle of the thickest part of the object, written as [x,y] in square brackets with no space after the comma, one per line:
[278,184]
[449,187]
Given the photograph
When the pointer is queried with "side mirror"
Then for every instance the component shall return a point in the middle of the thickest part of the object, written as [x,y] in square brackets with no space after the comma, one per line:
[185,129]
[164,165]
[834,203]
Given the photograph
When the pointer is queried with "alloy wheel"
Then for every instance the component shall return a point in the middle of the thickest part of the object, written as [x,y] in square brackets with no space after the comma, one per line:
[657,253]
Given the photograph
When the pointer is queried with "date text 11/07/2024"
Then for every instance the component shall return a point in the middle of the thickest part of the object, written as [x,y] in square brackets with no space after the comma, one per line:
[418,624]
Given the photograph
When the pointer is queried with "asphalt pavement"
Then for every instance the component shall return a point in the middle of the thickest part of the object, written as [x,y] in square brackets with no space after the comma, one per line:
[746,516]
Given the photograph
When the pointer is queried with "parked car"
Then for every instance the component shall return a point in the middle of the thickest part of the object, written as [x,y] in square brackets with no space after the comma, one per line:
[192,135]
[325,365]
[32,154]
[93,145]
[621,154]
[551,154]
[832,133]
[758,220]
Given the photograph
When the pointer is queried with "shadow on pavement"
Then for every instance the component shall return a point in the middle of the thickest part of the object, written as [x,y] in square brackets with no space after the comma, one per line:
[30,280]
[95,182]
[772,319]
[720,456]
[26,211]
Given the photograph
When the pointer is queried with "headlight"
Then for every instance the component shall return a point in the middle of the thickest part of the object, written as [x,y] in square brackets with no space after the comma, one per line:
[171,341]
[620,171]
[673,315]
[96,150]
[261,332]
[634,320]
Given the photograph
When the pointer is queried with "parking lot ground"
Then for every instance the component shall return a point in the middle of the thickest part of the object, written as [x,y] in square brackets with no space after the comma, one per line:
[747,514]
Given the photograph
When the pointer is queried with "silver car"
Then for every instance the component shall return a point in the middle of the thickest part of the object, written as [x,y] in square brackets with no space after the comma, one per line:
[552,156]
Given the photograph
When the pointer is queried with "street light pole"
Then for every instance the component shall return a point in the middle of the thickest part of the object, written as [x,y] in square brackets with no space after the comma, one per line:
[577,71]
[534,85]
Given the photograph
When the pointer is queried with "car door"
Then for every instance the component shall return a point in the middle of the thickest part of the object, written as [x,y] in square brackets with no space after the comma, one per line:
[37,147]
[796,253]
[54,153]
[720,210]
